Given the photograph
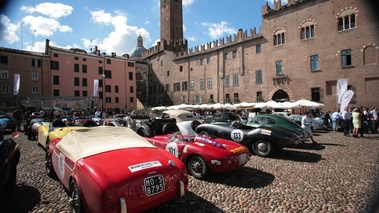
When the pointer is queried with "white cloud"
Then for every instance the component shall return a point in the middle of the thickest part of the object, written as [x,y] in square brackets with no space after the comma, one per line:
[187,2]
[45,26]
[52,10]
[118,40]
[8,31]
[217,30]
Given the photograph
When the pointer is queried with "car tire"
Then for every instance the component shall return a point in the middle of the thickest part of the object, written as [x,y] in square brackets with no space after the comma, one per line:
[198,167]
[142,132]
[262,148]
[204,133]
[76,203]
[49,166]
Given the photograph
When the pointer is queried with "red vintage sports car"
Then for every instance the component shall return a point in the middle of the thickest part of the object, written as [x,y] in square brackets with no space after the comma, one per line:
[203,154]
[107,169]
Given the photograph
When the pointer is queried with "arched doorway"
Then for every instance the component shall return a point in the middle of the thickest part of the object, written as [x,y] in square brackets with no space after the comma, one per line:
[280,96]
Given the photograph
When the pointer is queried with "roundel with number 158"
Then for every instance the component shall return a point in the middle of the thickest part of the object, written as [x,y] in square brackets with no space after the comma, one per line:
[237,135]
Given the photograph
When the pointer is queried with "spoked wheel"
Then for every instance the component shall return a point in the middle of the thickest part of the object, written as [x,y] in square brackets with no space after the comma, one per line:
[198,167]
[75,200]
[49,165]
[262,148]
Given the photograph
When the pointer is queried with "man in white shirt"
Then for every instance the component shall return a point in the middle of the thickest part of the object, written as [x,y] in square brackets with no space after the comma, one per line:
[346,122]
[334,118]
[306,123]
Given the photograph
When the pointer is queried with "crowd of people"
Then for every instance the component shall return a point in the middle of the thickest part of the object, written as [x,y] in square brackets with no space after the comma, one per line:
[355,120]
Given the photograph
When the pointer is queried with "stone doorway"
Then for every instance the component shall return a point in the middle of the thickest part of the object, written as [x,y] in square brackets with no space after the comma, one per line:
[280,96]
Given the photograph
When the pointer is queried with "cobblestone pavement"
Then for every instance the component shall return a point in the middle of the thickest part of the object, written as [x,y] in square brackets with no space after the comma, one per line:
[339,175]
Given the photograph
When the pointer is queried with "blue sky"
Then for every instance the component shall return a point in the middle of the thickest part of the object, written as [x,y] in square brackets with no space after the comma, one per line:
[114,25]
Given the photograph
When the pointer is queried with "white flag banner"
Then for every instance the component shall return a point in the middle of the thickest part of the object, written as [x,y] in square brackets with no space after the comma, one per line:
[341,88]
[16,88]
[346,98]
[96,88]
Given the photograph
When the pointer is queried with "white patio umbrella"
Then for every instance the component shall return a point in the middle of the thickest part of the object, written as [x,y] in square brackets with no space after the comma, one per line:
[274,105]
[260,105]
[305,103]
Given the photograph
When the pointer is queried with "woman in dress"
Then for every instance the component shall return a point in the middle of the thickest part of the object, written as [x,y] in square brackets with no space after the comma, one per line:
[356,122]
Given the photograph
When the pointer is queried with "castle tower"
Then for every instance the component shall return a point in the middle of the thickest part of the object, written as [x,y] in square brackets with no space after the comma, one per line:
[171,20]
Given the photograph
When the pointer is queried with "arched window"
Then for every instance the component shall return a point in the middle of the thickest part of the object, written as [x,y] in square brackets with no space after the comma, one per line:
[347,19]
[279,37]
[307,29]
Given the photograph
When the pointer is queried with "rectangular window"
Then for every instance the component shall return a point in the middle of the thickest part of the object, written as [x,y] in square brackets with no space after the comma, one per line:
[34,76]
[168,73]
[84,82]
[227,98]
[84,59]
[314,63]
[201,61]
[77,93]
[258,77]
[131,99]
[226,56]
[176,87]
[209,83]
[54,65]
[258,48]
[116,89]
[197,99]
[108,88]
[260,96]
[56,92]
[167,87]
[76,81]
[100,70]
[236,98]
[346,58]
[108,100]
[131,88]
[4,74]
[279,67]
[208,60]
[138,76]
[227,81]
[180,68]
[315,94]
[234,54]
[235,80]
[84,68]
[76,58]
[191,85]
[55,54]
[130,64]
[184,86]
[36,63]
[84,93]
[35,90]
[4,89]
[4,59]
[202,84]
[76,67]
[131,76]
[116,100]
[56,80]
[109,61]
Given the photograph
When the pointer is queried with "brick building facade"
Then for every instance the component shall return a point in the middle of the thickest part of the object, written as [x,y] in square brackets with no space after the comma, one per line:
[301,51]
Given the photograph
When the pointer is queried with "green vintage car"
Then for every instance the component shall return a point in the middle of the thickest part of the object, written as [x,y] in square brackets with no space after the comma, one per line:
[277,121]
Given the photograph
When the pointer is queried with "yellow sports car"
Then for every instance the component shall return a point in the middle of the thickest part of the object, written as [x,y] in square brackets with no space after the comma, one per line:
[48,133]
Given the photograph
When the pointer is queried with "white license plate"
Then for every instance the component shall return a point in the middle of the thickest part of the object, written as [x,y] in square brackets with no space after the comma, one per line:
[243,159]
[154,185]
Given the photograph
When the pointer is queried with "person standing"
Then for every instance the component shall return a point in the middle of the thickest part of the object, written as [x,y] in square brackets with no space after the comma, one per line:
[356,115]
[346,121]
[306,124]
[375,121]
[326,120]
[335,116]
[17,116]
